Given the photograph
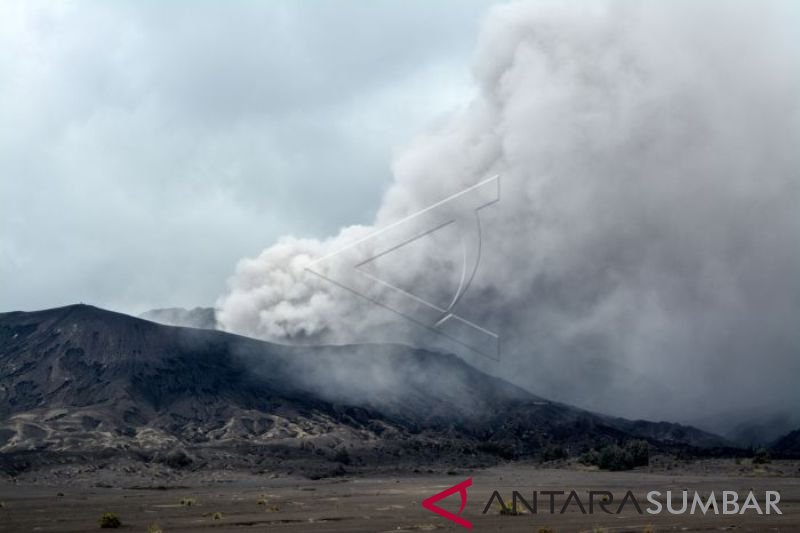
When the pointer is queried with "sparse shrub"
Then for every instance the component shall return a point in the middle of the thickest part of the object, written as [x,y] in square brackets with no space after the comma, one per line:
[592,458]
[507,509]
[545,530]
[342,456]
[554,453]
[648,529]
[504,451]
[612,457]
[2,505]
[216,516]
[188,502]
[761,457]
[153,528]
[274,508]
[639,451]
[110,521]
[176,459]
[685,455]
[599,530]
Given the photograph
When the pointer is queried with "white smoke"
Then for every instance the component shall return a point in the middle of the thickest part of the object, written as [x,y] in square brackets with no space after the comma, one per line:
[643,259]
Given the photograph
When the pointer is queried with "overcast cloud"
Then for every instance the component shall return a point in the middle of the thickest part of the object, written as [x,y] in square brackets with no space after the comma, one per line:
[146,147]
[643,258]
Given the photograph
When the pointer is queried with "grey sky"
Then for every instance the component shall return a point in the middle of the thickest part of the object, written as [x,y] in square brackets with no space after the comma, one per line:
[145,148]
[643,257]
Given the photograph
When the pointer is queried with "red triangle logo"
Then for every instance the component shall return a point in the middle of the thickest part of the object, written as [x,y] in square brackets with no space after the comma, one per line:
[461,489]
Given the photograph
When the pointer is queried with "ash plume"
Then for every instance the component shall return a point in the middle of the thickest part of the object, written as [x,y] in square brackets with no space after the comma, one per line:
[644,257]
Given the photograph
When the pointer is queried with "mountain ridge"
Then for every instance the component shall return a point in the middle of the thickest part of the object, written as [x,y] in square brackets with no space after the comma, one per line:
[80,378]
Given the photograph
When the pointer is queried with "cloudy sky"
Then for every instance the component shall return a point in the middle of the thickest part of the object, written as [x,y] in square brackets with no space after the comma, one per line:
[644,259]
[145,148]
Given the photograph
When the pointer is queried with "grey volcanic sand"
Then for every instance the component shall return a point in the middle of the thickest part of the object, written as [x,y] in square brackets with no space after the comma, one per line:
[382,503]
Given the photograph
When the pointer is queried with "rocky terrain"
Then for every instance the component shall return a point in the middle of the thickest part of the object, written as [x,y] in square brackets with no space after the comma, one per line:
[78,383]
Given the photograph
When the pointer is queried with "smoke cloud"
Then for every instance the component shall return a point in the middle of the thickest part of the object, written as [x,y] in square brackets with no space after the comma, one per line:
[643,259]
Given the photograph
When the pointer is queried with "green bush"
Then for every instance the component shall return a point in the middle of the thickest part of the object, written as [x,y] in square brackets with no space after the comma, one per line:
[612,457]
[554,453]
[110,521]
[640,452]
[592,457]
[761,457]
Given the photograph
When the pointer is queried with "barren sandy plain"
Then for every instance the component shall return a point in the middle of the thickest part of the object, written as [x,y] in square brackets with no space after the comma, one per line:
[222,501]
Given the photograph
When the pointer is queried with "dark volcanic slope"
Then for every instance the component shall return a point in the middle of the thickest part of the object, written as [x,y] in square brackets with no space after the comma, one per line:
[788,445]
[81,378]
